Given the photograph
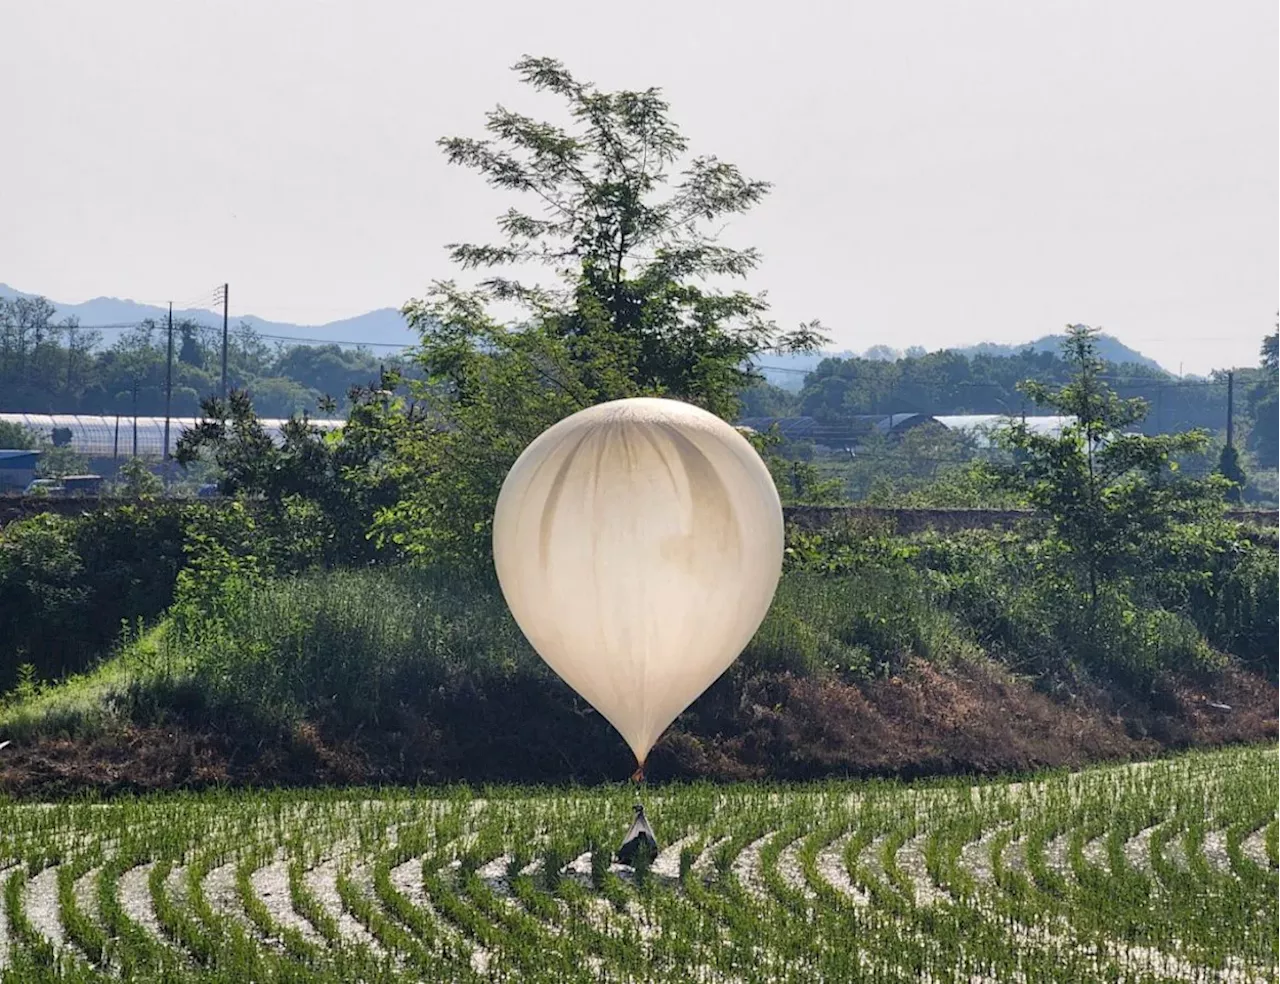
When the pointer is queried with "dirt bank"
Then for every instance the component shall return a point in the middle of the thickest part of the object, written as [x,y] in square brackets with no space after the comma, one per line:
[927,721]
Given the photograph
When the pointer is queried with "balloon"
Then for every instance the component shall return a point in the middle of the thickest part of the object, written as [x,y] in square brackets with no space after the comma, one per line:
[638,544]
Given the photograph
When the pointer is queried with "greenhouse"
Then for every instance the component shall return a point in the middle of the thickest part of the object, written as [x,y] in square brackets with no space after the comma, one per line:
[122,436]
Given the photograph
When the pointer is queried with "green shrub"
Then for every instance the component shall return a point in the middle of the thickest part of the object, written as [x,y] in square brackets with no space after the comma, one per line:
[68,582]
[347,644]
[1238,612]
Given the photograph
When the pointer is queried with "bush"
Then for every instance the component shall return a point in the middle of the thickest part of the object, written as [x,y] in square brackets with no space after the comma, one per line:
[347,646]
[1212,592]
[1241,618]
[68,582]
[350,647]
[16,437]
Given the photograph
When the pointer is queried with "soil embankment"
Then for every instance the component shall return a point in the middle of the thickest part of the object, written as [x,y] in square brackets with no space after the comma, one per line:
[926,721]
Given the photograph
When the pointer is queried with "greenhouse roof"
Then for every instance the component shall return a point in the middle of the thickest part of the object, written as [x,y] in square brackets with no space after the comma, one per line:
[108,436]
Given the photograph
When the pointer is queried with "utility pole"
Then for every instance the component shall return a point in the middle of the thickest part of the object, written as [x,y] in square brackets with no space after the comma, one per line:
[1231,408]
[225,289]
[168,386]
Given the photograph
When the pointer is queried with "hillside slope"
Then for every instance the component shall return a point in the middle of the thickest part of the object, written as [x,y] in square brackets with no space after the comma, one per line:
[384,326]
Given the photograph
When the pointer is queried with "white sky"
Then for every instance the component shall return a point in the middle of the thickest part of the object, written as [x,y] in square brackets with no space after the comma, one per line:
[946,171]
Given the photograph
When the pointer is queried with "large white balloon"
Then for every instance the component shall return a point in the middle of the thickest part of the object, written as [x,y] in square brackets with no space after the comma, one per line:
[638,544]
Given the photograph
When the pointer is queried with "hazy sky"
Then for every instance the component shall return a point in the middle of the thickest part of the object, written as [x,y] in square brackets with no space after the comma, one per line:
[945,172]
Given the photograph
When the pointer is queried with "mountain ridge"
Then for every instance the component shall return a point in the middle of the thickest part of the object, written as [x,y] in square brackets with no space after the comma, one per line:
[386,328]
[382,327]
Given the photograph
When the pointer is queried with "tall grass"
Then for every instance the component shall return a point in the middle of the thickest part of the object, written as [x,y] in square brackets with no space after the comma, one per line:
[355,646]
[352,642]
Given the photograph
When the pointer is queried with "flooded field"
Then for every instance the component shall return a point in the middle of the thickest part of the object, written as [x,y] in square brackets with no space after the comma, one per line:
[1148,872]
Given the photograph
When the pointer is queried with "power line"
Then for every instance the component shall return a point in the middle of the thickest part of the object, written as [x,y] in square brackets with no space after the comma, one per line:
[157,326]
[201,301]
[336,341]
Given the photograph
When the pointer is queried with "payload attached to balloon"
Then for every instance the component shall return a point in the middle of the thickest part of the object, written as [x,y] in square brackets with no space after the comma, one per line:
[638,544]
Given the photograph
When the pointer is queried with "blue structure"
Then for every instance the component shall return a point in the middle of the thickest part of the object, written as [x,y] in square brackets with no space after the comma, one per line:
[17,469]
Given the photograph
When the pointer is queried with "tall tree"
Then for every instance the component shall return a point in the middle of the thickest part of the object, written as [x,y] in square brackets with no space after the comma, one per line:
[191,352]
[1271,353]
[16,437]
[1229,467]
[625,223]
[25,322]
[1108,495]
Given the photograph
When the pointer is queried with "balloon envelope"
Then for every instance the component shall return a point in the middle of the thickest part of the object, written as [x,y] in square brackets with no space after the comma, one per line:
[638,544]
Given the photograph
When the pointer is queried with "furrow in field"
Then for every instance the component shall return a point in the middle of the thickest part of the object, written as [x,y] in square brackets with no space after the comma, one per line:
[1057,856]
[1014,856]
[789,869]
[406,878]
[1175,853]
[1214,850]
[135,899]
[1254,848]
[494,874]
[702,865]
[40,903]
[868,859]
[220,891]
[667,864]
[975,856]
[86,894]
[911,861]
[271,885]
[831,869]
[579,869]
[322,882]
[4,918]
[1094,853]
[746,867]
[1137,849]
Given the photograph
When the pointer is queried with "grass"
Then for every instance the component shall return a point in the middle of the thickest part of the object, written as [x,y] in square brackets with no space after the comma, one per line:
[349,643]
[84,703]
[461,884]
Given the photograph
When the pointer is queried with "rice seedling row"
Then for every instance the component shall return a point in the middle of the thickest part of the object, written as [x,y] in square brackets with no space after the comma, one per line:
[1157,871]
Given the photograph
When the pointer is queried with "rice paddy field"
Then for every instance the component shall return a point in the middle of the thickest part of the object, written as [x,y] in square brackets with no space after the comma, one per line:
[1161,871]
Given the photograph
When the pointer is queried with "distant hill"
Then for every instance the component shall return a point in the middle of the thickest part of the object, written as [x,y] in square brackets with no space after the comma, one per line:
[1111,349]
[385,326]
[788,371]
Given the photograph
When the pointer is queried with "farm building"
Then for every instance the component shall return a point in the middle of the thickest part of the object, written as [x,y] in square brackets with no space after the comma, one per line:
[113,436]
[17,469]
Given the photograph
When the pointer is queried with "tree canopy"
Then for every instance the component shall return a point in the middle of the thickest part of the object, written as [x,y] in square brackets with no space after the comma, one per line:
[52,366]
[635,297]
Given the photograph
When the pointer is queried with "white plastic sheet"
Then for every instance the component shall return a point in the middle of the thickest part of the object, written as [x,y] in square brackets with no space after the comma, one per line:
[638,544]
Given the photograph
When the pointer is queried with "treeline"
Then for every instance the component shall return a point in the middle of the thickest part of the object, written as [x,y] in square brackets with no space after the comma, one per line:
[55,366]
[838,391]
[49,366]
